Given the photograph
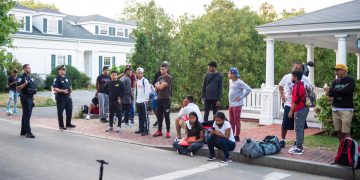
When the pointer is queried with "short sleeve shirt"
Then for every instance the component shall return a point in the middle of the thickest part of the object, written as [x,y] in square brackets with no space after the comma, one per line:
[166,92]
[194,130]
[225,126]
[62,83]
[101,80]
[288,86]
[11,80]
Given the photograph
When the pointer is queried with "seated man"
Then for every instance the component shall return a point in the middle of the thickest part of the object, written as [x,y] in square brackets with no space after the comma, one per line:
[188,106]
[93,107]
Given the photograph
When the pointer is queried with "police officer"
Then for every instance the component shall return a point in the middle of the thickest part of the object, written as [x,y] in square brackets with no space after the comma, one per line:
[62,88]
[27,89]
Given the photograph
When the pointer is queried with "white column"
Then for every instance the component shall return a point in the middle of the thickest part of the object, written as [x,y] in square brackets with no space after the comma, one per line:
[270,100]
[341,51]
[310,58]
[269,62]
[358,65]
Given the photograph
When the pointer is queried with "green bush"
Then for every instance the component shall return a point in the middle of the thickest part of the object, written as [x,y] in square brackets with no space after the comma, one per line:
[3,81]
[40,84]
[324,109]
[78,79]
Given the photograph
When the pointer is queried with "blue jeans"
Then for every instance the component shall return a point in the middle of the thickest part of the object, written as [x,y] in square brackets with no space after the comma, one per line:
[13,96]
[221,143]
[186,150]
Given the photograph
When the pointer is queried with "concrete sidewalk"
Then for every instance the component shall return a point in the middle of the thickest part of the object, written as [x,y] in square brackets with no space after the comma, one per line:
[313,161]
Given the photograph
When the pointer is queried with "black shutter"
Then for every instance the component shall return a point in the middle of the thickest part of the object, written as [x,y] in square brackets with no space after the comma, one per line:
[44,25]
[27,23]
[60,26]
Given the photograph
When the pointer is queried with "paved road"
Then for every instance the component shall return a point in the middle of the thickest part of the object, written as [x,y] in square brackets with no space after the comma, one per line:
[63,155]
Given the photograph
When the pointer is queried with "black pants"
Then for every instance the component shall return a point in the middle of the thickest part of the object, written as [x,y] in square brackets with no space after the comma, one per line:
[208,105]
[143,117]
[163,109]
[126,111]
[114,108]
[27,106]
[64,102]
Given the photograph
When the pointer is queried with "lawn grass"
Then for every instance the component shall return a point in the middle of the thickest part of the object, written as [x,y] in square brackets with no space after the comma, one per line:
[39,101]
[322,142]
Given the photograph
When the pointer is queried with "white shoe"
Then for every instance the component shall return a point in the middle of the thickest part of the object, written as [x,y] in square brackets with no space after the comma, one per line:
[292,149]
[110,129]
[87,117]
[117,129]
[131,125]
[126,124]
[191,154]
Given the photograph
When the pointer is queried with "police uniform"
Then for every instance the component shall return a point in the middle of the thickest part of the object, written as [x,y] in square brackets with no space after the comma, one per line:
[27,103]
[63,101]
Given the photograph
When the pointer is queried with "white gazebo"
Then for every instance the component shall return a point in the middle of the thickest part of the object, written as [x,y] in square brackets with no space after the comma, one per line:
[336,27]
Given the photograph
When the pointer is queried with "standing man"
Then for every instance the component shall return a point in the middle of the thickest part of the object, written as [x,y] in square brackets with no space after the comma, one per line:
[212,90]
[103,98]
[115,89]
[27,89]
[163,87]
[238,90]
[128,98]
[13,94]
[342,91]
[156,77]
[285,89]
[132,77]
[62,88]
[142,91]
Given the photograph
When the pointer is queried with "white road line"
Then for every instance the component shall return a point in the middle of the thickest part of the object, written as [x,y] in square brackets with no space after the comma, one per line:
[276,176]
[187,172]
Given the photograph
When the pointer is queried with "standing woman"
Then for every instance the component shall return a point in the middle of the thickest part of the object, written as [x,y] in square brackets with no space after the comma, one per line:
[221,137]
[195,136]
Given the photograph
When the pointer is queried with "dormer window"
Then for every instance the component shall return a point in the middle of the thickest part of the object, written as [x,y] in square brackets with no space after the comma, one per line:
[103,30]
[24,22]
[120,32]
[53,26]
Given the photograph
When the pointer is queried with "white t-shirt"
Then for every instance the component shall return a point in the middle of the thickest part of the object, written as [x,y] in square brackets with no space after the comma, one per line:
[191,107]
[223,128]
[288,86]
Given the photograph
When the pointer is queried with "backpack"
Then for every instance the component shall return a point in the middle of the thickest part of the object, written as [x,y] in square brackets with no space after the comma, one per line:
[348,154]
[207,133]
[153,94]
[84,109]
[310,96]
[252,149]
[270,145]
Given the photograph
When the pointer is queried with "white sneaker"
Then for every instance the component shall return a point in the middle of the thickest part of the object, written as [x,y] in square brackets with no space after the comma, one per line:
[292,149]
[126,124]
[87,117]
[131,125]
[191,154]
[117,129]
[110,129]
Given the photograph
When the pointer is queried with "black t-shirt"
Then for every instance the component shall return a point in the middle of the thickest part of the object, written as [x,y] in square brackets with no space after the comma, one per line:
[195,130]
[62,83]
[12,79]
[114,89]
[342,89]
[101,80]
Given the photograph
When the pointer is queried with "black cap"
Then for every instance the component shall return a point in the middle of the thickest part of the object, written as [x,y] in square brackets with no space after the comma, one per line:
[61,67]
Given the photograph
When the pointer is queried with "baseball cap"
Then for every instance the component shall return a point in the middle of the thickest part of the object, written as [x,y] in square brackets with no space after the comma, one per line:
[140,70]
[234,71]
[165,63]
[340,67]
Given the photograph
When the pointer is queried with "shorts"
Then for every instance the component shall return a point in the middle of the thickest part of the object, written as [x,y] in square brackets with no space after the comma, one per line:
[288,123]
[182,123]
[95,101]
[342,120]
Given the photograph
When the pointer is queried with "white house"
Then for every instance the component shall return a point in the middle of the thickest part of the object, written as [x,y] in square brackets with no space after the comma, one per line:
[49,38]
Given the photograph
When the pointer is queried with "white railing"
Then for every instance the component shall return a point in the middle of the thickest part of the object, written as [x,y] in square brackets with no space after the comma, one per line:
[253,101]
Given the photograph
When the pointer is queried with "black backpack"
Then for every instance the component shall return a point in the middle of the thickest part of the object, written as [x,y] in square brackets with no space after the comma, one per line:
[348,154]
[270,145]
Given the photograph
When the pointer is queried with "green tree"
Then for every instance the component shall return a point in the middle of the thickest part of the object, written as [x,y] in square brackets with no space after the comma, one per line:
[37,5]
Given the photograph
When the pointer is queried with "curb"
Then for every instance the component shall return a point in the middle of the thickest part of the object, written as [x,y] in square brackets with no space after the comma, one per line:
[274,161]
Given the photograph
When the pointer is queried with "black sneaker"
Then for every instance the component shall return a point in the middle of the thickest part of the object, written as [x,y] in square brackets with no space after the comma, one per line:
[226,160]
[103,120]
[30,135]
[155,124]
[211,158]
[138,132]
[237,139]
[145,133]
[282,143]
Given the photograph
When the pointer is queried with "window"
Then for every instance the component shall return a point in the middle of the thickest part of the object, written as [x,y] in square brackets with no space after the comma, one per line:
[21,21]
[120,32]
[107,61]
[61,60]
[103,30]
[52,26]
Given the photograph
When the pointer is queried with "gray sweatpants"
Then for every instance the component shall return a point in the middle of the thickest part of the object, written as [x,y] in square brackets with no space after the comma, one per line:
[103,105]
[300,119]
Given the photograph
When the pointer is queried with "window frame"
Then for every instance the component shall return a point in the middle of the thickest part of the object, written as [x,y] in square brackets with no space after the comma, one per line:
[57,60]
[105,59]
[123,31]
[56,26]
[106,28]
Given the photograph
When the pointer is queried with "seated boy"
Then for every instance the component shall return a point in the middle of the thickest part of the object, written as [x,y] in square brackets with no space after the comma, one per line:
[93,107]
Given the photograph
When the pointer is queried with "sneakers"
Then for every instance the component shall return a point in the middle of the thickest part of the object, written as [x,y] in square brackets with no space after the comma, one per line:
[138,132]
[282,143]
[157,134]
[131,125]
[191,154]
[168,134]
[87,117]
[211,158]
[297,151]
[126,124]
[117,129]
[30,135]
[237,138]
[103,120]
[110,129]
[227,160]
[145,133]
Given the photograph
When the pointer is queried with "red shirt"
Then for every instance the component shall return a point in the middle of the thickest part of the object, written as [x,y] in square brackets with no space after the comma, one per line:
[298,96]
